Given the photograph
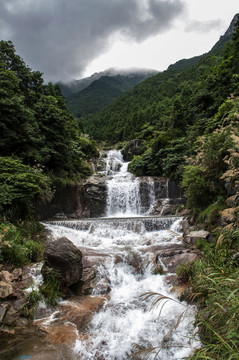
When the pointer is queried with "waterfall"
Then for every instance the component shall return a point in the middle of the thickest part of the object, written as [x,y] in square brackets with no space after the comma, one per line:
[123,196]
[121,249]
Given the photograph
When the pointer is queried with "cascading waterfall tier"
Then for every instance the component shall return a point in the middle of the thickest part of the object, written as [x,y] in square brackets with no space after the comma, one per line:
[123,196]
[124,250]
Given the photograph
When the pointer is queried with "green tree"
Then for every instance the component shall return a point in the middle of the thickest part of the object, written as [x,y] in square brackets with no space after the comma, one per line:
[18,127]
[19,186]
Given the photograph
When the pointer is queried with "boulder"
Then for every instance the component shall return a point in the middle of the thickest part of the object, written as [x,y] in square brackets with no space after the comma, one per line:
[173,258]
[194,236]
[6,290]
[17,274]
[92,196]
[11,316]
[6,276]
[64,257]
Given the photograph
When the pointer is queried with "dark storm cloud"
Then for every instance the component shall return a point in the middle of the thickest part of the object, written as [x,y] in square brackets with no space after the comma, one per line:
[61,37]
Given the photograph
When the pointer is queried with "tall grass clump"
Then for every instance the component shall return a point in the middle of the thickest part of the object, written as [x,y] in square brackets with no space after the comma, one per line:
[215,288]
[52,287]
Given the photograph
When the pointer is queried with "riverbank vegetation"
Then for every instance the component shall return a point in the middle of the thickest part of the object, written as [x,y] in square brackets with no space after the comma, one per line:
[215,287]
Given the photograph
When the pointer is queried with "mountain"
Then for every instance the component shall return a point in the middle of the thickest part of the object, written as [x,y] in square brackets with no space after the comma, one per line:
[180,99]
[102,92]
[89,95]
[73,87]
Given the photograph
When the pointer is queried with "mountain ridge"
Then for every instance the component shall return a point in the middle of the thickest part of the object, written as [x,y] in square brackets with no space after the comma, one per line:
[72,87]
[103,90]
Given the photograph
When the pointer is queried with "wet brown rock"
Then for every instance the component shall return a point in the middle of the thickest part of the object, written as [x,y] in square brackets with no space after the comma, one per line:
[20,303]
[62,334]
[173,258]
[78,311]
[91,279]
[64,257]
[11,316]
[172,279]
[25,281]
[22,322]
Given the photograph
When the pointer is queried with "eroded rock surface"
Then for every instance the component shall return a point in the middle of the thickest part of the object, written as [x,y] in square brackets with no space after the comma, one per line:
[13,297]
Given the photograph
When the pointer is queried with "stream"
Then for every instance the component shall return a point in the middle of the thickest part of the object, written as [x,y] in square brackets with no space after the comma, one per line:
[117,320]
[123,245]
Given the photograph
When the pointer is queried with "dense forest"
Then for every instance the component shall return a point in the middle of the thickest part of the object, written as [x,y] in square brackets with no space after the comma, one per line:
[40,143]
[41,149]
[186,120]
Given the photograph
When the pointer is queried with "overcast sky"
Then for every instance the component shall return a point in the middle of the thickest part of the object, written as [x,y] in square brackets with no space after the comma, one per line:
[71,39]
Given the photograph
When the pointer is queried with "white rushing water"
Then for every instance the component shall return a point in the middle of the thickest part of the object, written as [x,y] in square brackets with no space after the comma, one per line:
[123,188]
[124,250]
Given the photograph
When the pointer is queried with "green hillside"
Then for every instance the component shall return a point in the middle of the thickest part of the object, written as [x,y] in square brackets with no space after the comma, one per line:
[102,92]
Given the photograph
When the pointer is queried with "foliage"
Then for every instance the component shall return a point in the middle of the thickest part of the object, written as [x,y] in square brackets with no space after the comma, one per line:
[194,182]
[185,271]
[19,186]
[210,215]
[215,287]
[20,245]
[41,144]
[215,160]
[34,297]
[35,124]
[51,289]
[102,92]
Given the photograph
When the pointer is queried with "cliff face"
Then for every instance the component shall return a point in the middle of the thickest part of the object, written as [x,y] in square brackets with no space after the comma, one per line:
[87,199]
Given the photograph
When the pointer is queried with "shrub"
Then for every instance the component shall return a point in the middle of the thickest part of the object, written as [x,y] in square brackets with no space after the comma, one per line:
[18,246]
[19,186]
[52,288]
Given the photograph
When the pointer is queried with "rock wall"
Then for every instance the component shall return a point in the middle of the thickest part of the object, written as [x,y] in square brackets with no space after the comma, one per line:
[88,199]
[64,202]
